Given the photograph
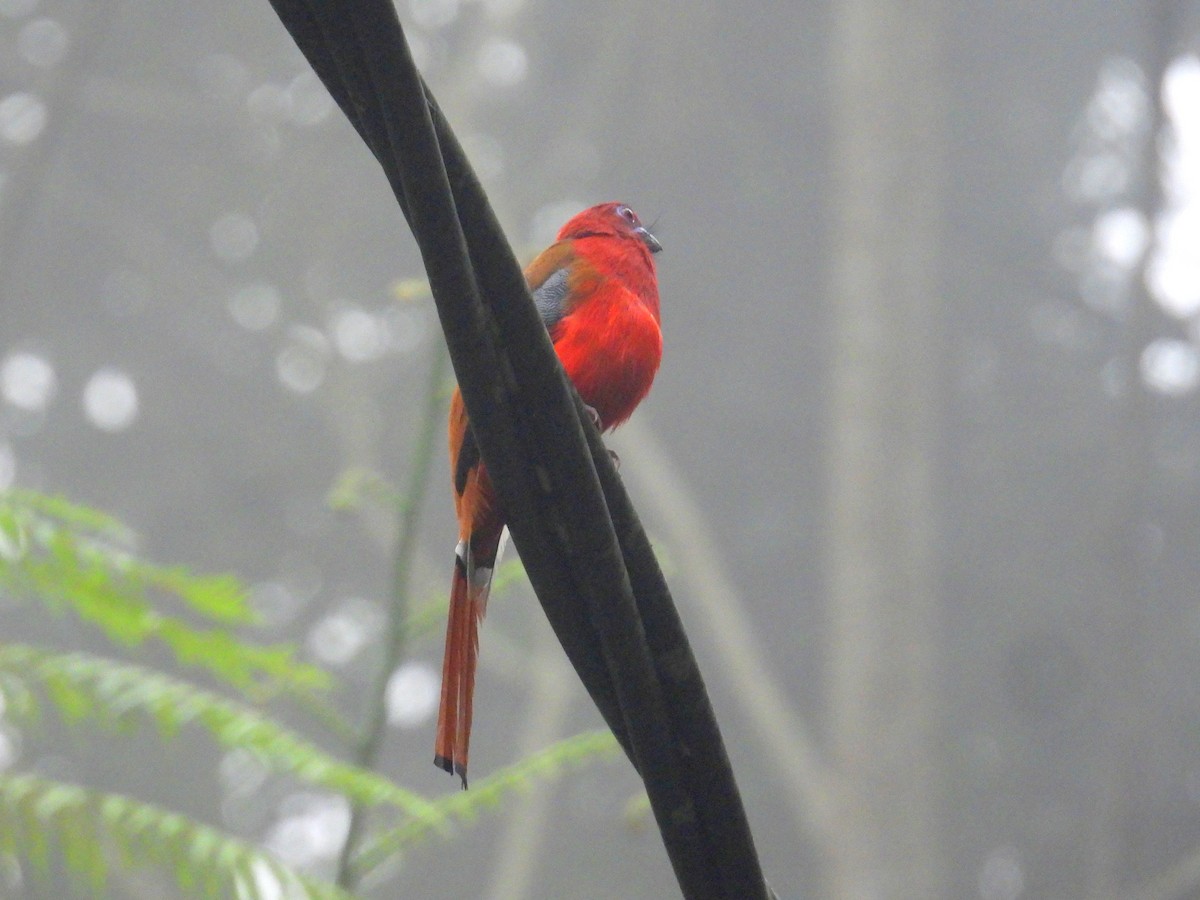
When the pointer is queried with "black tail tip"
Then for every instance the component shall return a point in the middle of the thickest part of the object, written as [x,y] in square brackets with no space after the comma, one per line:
[447,765]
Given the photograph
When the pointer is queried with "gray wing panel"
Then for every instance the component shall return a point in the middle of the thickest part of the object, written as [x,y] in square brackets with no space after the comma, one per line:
[550,297]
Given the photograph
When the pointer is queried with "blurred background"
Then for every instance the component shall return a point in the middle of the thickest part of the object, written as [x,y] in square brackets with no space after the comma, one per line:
[922,461]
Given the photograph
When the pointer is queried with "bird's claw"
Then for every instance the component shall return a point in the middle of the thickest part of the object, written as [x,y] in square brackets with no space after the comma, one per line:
[595,417]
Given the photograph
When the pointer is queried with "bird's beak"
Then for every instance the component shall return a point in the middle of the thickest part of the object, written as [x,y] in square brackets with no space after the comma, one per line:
[648,239]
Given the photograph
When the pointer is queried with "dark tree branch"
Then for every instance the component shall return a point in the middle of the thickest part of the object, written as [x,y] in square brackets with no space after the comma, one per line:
[570,518]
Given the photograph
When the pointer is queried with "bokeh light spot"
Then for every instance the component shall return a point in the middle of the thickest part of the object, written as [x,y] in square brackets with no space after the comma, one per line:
[22,118]
[310,104]
[266,882]
[1170,367]
[242,772]
[311,829]
[1120,237]
[274,602]
[27,381]
[339,637]
[1096,178]
[1174,280]
[255,306]
[269,102]
[1120,107]
[1181,97]
[300,365]
[110,400]
[502,62]
[358,335]
[1002,876]
[43,42]
[1173,275]
[412,694]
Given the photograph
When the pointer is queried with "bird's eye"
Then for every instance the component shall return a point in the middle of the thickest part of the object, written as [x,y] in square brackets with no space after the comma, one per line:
[627,214]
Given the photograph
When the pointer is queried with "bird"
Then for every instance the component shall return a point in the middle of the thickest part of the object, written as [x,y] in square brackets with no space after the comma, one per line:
[596,289]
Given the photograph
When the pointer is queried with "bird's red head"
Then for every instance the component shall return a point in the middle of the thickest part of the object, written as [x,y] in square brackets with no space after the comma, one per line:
[610,220]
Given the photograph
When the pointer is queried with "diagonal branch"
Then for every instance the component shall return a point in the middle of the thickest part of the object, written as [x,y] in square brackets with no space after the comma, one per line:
[577,540]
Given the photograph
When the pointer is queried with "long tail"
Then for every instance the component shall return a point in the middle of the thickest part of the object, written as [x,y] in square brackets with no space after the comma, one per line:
[468,601]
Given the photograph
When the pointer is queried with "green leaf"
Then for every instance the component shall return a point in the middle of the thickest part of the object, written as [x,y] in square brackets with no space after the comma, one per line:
[78,518]
[70,557]
[82,686]
[485,793]
[43,820]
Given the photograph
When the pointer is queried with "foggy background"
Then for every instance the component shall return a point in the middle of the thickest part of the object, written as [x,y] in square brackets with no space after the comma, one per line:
[922,461]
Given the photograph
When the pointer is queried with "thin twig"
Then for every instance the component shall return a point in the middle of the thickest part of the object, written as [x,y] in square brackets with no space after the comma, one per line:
[371,738]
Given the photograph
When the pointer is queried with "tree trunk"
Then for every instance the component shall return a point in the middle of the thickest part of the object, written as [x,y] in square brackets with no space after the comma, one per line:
[886,109]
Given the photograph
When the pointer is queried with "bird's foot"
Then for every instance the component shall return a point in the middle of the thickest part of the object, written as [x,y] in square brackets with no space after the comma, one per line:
[595,417]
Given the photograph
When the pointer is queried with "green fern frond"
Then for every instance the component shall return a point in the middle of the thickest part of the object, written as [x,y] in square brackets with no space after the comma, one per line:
[43,821]
[486,793]
[80,519]
[70,557]
[82,686]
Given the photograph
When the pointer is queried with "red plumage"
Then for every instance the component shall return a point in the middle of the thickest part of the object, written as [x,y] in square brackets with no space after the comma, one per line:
[597,291]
